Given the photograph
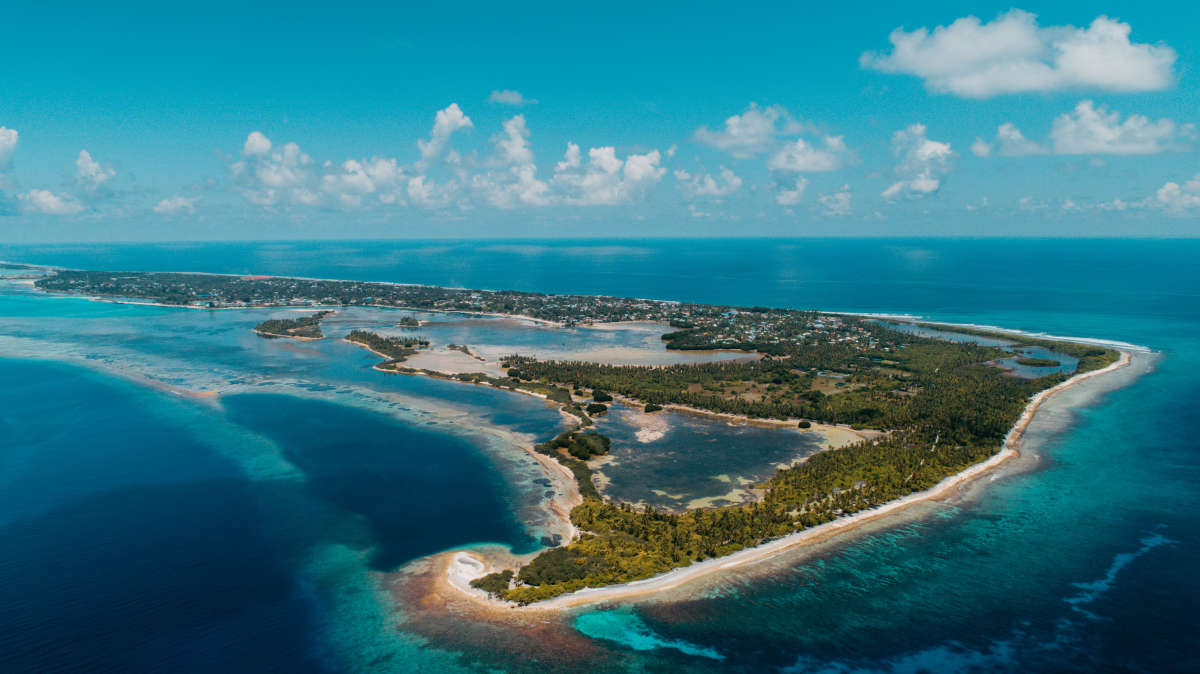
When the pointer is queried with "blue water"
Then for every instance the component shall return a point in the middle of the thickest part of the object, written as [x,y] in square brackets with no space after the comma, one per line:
[133,541]
[129,544]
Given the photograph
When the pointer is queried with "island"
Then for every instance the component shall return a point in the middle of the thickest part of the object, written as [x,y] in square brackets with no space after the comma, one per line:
[394,349]
[305,327]
[1037,362]
[934,402]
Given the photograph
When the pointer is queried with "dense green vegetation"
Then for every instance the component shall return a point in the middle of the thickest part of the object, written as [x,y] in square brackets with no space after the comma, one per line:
[395,349]
[946,409]
[885,386]
[581,471]
[581,445]
[1037,362]
[494,583]
[307,327]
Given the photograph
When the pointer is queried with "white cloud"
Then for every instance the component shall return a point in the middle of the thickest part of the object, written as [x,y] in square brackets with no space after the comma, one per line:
[1175,198]
[516,184]
[256,145]
[510,97]
[750,133]
[1013,143]
[445,123]
[514,144]
[8,144]
[706,185]
[790,196]
[923,162]
[177,204]
[45,201]
[1094,130]
[571,158]
[425,193]
[605,179]
[1012,54]
[356,179]
[269,177]
[506,178]
[836,203]
[90,173]
[799,155]
[1009,142]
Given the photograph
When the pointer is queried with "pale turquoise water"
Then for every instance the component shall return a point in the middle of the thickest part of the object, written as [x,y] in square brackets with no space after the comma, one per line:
[1085,563]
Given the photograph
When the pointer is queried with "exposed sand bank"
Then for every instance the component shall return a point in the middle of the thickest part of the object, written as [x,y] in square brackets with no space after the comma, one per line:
[451,361]
[276,335]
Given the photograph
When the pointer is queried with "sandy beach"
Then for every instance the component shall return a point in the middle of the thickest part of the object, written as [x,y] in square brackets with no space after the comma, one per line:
[463,566]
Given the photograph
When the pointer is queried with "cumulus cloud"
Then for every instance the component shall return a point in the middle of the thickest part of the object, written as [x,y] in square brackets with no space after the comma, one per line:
[510,97]
[1175,198]
[801,156]
[1013,54]
[514,143]
[426,193]
[571,158]
[923,163]
[515,183]
[8,144]
[791,195]
[90,173]
[445,123]
[706,185]
[606,179]
[269,177]
[836,203]
[750,133]
[176,204]
[356,179]
[1009,142]
[279,176]
[256,145]
[1091,129]
[45,201]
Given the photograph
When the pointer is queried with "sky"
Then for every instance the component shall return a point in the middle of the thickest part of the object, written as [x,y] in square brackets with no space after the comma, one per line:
[156,122]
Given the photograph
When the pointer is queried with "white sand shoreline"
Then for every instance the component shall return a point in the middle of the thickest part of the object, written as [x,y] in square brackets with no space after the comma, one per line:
[464,566]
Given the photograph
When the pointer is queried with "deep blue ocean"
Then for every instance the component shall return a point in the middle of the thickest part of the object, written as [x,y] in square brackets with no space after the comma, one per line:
[142,531]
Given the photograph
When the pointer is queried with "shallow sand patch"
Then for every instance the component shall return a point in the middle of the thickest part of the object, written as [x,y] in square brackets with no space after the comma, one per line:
[651,427]
[452,361]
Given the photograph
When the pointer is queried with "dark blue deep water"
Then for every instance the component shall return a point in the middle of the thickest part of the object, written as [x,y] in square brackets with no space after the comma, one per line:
[128,543]
[131,540]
